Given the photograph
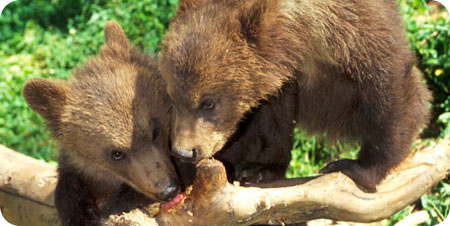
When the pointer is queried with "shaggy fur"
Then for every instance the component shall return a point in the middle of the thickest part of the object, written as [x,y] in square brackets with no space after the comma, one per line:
[115,102]
[354,72]
[260,150]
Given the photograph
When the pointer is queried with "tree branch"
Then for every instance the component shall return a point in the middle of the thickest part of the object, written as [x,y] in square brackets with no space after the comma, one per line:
[213,200]
[333,196]
[27,189]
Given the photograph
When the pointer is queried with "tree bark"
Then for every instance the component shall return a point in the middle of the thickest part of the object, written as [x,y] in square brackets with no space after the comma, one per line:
[27,189]
[26,194]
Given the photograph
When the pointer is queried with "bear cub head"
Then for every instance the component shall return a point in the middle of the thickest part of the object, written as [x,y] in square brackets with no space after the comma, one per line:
[112,118]
[219,65]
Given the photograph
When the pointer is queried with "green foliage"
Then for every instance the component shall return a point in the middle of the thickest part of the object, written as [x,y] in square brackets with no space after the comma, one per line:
[437,203]
[48,38]
[444,119]
[400,215]
[310,154]
[428,32]
[20,128]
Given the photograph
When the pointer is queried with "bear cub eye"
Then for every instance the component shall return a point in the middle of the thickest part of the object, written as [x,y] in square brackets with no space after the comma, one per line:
[118,155]
[207,104]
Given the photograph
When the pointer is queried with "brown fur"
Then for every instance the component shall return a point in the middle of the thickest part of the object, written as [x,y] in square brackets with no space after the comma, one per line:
[116,101]
[355,75]
[260,150]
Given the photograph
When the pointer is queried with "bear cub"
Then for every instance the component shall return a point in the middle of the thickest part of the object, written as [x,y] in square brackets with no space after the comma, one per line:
[111,119]
[349,60]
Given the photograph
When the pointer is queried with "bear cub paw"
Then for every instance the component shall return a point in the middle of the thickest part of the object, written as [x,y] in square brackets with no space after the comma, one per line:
[365,179]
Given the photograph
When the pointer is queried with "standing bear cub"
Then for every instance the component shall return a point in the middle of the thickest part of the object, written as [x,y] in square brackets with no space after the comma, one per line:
[112,121]
[350,61]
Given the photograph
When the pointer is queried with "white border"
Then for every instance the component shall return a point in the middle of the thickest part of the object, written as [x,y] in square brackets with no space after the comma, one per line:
[3,221]
[3,4]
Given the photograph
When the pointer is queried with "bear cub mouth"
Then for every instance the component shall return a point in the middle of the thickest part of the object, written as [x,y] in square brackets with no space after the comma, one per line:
[174,202]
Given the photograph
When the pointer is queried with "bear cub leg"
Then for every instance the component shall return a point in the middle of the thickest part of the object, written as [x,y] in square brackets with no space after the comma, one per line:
[374,161]
[386,138]
[75,204]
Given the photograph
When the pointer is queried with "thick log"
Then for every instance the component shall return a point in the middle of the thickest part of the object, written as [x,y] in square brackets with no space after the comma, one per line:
[19,210]
[27,185]
[27,189]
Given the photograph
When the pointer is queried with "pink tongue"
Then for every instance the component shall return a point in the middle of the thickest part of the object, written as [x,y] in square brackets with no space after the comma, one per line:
[168,205]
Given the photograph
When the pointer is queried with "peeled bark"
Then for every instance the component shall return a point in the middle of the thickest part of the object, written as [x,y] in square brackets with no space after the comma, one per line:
[26,194]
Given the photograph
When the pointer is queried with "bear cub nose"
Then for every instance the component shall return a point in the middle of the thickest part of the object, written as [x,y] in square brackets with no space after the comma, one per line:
[170,192]
[184,154]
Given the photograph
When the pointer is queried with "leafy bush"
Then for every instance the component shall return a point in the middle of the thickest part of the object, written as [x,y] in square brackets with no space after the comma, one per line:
[20,128]
[437,203]
[310,154]
[428,32]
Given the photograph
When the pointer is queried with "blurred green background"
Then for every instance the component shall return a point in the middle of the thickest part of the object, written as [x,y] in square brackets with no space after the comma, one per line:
[49,38]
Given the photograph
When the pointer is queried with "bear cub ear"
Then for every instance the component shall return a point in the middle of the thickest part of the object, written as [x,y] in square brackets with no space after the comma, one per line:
[114,34]
[185,5]
[254,20]
[45,97]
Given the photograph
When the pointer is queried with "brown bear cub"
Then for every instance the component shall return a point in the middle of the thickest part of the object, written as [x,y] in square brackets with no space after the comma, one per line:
[112,121]
[350,61]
